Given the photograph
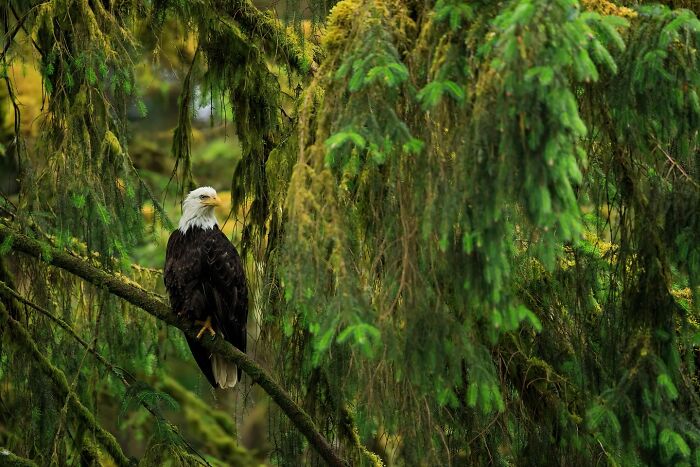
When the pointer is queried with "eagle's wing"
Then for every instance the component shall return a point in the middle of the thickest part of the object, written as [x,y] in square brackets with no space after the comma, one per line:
[186,291]
[227,287]
[181,277]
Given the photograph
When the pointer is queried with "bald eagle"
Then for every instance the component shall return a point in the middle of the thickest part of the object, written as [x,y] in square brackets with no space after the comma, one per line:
[206,283]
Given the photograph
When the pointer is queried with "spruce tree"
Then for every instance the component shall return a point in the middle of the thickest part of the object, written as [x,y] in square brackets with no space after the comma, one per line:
[471,230]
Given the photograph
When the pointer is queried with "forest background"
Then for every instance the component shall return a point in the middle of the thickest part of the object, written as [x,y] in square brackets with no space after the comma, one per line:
[470,228]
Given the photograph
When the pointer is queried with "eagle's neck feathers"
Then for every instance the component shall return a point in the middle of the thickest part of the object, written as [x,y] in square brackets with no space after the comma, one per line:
[197,217]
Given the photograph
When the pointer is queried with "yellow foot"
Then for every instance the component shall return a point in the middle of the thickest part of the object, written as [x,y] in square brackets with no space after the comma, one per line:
[206,326]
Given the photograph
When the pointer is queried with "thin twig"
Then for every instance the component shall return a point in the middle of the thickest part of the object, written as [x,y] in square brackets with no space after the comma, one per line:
[7,291]
[11,35]
[36,46]
[678,166]
[64,410]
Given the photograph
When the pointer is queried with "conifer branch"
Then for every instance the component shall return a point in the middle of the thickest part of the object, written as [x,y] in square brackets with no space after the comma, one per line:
[58,378]
[10,294]
[8,458]
[677,166]
[150,303]
[11,35]
[123,375]
[259,24]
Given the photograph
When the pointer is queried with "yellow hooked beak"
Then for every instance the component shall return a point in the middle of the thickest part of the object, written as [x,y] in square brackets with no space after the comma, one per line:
[212,201]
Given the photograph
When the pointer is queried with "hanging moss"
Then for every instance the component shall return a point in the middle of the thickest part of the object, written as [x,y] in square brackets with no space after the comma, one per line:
[435,211]
[473,225]
[59,380]
[606,7]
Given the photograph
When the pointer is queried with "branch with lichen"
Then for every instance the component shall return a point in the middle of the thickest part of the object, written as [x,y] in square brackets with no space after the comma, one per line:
[128,379]
[105,438]
[263,25]
[9,459]
[124,376]
[152,304]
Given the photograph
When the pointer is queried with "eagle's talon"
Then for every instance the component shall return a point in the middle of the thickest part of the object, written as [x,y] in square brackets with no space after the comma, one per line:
[206,326]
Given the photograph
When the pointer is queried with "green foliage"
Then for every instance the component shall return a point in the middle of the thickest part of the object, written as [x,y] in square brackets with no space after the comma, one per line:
[432,93]
[140,394]
[673,446]
[475,182]
[362,335]
[6,246]
[455,12]
[473,234]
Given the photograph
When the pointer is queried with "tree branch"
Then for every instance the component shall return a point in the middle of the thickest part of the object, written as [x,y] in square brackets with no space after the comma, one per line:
[262,24]
[7,458]
[9,293]
[11,35]
[59,379]
[150,303]
[123,375]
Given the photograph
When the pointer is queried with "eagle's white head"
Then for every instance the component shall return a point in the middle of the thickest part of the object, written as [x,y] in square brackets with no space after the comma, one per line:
[198,209]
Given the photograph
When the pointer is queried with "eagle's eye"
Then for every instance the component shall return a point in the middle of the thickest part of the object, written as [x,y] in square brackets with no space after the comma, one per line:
[203,197]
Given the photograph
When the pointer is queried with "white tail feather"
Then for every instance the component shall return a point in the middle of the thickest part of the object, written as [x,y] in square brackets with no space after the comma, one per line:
[225,373]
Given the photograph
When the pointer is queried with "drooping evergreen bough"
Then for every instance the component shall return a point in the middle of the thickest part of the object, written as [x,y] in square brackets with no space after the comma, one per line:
[475,230]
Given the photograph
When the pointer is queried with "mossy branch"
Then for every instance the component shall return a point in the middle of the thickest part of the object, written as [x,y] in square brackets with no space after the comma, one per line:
[218,437]
[150,303]
[22,337]
[260,24]
[184,397]
[123,375]
[9,459]
[7,292]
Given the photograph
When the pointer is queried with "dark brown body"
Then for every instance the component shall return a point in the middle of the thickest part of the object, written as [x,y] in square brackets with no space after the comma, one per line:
[204,277]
